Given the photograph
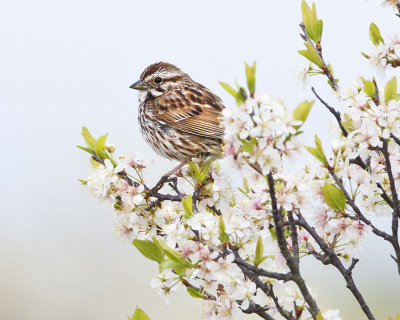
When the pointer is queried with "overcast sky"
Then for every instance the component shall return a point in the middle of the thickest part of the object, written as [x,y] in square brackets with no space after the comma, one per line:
[64,64]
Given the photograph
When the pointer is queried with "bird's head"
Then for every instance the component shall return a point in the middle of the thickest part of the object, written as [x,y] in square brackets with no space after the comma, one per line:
[160,77]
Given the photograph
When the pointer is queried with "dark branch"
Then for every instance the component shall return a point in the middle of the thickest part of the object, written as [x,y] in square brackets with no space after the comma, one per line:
[397,140]
[291,261]
[258,271]
[332,110]
[355,208]
[396,206]
[330,257]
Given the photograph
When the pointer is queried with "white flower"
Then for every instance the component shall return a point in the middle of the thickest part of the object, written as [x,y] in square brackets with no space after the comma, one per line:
[100,181]
[331,314]
[377,58]
[164,284]
[301,75]
[174,232]
[136,160]
[131,196]
[227,308]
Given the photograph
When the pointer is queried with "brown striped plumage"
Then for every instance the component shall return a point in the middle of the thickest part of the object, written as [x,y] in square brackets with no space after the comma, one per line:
[178,117]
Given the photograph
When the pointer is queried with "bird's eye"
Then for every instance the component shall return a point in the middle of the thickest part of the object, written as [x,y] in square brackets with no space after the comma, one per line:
[158,80]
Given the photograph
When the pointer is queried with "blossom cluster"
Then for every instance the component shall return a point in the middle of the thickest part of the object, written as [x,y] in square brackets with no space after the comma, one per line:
[371,120]
[385,53]
[261,131]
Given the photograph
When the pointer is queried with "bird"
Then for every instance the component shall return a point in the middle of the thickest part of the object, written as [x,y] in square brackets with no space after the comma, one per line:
[180,118]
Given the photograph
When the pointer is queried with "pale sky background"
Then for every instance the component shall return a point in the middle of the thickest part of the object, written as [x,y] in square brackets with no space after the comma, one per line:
[64,64]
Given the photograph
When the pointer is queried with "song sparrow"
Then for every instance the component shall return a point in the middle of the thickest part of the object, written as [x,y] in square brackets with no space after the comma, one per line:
[178,117]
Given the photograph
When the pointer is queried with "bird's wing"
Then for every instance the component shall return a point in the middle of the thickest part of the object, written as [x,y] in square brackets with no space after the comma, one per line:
[192,110]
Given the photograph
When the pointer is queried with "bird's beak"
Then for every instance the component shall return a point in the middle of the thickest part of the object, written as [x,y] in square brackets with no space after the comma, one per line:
[139,85]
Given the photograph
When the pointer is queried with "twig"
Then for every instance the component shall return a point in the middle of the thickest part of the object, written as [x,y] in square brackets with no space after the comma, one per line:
[396,206]
[260,284]
[376,98]
[258,271]
[335,261]
[355,208]
[397,140]
[324,66]
[335,113]
[255,308]
[207,296]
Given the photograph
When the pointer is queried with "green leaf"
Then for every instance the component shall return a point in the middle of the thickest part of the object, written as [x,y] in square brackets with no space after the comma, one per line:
[311,54]
[195,293]
[348,123]
[319,146]
[86,149]
[333,196]
[139,315]
[187,206]
[174,255]
[99,147]
[273,233]
[94,163]
[375,34]
[369,89]
[223,236]
[251,77]
[194,171]
[248,145]
[246,185]
[149,249]
[301,112]
[89,139]
[365,55]
[171,264]
[318,152]
[228,88]
[259,252]
[205,168]
[319,316]
[312,24]
[391,89]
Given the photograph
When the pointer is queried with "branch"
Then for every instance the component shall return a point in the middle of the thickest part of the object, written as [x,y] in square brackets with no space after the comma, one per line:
[396,208]
[262,285]
[324,66]
[258,271]
[255,308]
[358,161]
[331,258]
[397,140]
[355,208]
[332,110]
[207,296]
[290,260]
